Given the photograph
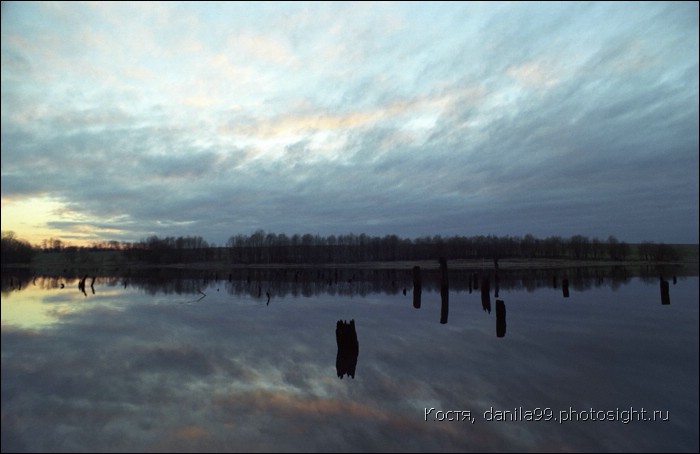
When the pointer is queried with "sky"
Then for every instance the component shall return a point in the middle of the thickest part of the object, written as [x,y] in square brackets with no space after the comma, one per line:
[151,368]
[124,120]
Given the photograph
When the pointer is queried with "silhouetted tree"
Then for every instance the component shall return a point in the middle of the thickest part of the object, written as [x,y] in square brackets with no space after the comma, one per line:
[267,247]
[14,250]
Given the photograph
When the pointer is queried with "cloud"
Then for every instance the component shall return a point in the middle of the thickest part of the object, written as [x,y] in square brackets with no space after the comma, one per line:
[533,74]
[338,119]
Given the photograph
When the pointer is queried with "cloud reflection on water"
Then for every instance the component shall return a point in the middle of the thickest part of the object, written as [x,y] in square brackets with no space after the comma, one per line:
[136,371]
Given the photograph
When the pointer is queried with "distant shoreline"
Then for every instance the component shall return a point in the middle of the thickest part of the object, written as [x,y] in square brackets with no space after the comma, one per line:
[115,263]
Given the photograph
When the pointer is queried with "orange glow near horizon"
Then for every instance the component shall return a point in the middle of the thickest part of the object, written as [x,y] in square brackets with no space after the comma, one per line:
[29,219]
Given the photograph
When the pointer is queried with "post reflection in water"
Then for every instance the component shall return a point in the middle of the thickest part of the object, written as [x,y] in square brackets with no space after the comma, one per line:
[348,348]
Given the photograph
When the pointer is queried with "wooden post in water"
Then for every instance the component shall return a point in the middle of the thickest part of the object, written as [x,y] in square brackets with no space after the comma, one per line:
[485,294]
[417,287]
[495,277]
[565,287]
[348,348]
[665,297]
[500,318]
[81,285]
[444,291]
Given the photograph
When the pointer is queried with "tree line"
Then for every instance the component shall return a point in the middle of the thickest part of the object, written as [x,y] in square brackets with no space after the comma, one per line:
[266,247]
[15,250]
[262,247]
[182,249]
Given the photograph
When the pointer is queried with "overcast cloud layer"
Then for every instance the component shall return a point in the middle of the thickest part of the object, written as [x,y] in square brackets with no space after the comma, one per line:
[125,120]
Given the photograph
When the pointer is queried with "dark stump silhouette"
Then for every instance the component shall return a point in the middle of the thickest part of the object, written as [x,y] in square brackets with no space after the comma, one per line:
[444,292]
[417,287]
[565,287]
[500,318]
[81,285]
[486,294]
[348,348]
[665,296]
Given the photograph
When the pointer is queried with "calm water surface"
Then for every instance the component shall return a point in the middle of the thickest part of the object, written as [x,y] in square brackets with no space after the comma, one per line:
[143,365]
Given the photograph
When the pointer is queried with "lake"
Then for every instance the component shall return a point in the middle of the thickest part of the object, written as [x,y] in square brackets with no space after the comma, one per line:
[250,361]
